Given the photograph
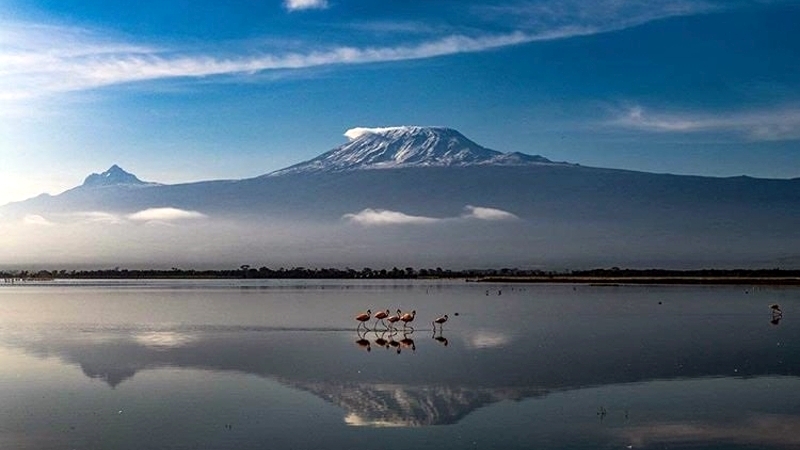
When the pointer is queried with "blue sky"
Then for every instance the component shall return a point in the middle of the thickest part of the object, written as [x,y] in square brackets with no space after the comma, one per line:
[179,91]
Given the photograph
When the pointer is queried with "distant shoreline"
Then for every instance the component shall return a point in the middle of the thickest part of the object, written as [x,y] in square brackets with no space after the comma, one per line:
[600,277]
[619,281]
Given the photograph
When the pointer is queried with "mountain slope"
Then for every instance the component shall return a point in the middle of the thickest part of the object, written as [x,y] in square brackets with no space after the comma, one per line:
[433,204]
[402,147]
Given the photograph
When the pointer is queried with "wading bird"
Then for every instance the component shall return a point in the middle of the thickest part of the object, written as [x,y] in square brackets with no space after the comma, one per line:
[379,316]
[408,318]
[362,318]
[440,320]
[393,319]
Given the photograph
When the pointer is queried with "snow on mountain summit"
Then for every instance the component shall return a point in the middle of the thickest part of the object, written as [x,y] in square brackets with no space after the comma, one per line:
[408,146]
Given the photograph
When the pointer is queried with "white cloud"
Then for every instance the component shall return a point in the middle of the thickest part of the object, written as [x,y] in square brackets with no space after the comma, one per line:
[37,220]
[357,132]
[56,63]
[296,5]
[98,217]
[601,15]
[39,60]
[370,217]
[483,213]
[165,215]
[764,125]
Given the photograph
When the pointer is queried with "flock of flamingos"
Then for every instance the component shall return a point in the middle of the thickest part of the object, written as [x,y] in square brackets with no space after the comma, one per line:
[390,321]
[386,316]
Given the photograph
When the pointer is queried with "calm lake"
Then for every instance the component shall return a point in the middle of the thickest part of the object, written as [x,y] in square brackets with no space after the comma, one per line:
[280,364]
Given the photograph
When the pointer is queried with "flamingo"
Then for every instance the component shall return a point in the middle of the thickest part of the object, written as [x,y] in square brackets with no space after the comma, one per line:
[440,320]
[362,318]
[408,317]
[393,319]
[380,315]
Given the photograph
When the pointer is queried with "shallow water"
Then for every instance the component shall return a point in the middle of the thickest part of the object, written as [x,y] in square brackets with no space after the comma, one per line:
[280,364]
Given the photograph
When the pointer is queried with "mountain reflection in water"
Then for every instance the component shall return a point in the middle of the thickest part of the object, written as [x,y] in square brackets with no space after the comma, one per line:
[544,343]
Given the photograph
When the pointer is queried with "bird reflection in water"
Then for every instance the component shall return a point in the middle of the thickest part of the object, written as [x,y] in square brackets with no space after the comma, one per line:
[363,342]
[439,338]
[393,344]
[777,314]
[386,339]
[407,342]
[381,340]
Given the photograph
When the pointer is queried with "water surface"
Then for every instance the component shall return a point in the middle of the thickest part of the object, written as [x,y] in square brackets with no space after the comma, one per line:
[281,364]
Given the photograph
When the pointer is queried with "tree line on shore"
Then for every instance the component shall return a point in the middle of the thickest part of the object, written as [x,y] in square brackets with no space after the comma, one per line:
[246,271]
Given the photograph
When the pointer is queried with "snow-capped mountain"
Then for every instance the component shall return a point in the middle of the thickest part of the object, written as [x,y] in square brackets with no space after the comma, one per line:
[440,200]
[114,176]
[408,146]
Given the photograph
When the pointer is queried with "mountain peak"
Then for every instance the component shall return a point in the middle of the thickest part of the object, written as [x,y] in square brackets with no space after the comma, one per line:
[114,176]
[408,146]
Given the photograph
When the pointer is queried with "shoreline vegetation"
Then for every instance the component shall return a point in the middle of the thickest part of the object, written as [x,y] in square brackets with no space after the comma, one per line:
[600,277]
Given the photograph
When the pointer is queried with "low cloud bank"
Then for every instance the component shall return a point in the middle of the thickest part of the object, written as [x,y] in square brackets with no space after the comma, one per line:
[371,216]
[37,220]
[378,217]
[165,215]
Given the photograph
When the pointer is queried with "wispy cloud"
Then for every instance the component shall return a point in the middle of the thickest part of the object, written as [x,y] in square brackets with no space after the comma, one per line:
[598,15]
[29,70]
[298,5]
[378,217]
[764,125]
[40,60]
